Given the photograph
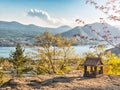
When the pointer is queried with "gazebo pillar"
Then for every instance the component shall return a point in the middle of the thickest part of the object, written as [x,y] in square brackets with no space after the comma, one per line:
[91,69]
[85,70]
[95,70]
[101,70]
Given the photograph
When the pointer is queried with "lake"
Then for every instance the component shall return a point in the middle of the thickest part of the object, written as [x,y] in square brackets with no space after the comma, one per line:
[5,51]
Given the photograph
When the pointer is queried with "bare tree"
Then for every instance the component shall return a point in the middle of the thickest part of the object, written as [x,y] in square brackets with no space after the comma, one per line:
[112,9]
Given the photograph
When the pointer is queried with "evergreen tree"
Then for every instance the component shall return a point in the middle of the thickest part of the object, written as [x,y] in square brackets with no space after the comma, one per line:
[19,61]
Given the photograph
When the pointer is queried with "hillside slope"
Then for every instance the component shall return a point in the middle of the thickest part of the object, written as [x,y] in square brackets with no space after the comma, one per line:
[70,81]
[115,50]
[91,30]
[14,32]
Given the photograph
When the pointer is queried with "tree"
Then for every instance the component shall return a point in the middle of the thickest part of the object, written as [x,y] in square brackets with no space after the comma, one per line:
[19,61]
[1,71]
[53,53]
[66,51]
[107,8]
[113,64]
[46,40]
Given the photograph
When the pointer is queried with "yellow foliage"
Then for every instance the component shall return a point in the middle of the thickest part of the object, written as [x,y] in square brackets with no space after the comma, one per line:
[113,64]
[55,53]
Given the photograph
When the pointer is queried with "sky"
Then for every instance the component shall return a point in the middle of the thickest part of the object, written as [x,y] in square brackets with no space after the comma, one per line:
[50,13]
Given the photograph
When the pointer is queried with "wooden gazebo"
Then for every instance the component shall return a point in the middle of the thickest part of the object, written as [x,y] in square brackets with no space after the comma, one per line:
[93,67]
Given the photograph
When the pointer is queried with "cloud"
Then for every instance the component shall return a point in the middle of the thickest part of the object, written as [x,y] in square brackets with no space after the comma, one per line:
[44,16]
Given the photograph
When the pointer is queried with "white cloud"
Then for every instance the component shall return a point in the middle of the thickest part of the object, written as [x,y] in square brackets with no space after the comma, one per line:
[45,17]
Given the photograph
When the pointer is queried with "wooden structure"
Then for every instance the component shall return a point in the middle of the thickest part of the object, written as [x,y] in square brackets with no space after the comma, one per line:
[95,67]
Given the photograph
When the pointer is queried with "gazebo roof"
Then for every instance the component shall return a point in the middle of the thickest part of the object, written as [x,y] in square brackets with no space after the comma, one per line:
[93,61]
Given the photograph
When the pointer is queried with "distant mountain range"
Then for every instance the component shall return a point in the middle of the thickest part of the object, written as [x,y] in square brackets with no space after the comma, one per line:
[14,32]
[91,32]
[115,50]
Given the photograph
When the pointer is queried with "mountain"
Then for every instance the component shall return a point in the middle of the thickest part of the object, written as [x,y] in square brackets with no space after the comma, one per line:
[90,29]
[99,27]
[15,29]
[61,29]
[14,32]
[115,50]
[72,32]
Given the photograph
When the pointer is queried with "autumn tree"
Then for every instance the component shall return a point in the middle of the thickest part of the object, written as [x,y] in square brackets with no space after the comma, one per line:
[66,52]
[113,63]
[112,11]
[110,8]
[53,52]
[45,41]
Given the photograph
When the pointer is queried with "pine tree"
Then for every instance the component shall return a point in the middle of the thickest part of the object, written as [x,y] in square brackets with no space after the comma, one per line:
[19,61]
